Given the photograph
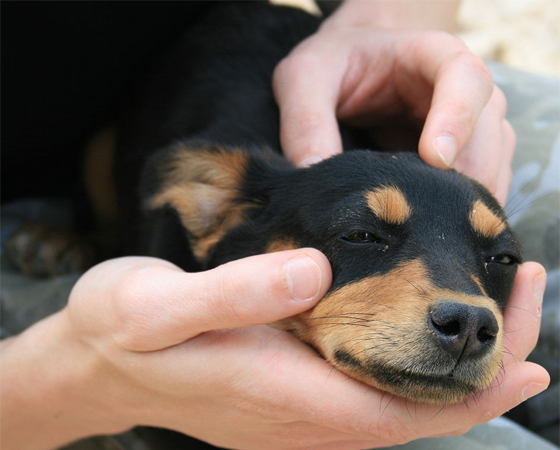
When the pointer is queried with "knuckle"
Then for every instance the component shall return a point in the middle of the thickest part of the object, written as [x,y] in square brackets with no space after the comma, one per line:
[130,290]
[462,113]
[132,312]
[455,48]
[482,69]
[457,55]
[223,303]
[477,65]
[464,61]
[499,100]
[440,37]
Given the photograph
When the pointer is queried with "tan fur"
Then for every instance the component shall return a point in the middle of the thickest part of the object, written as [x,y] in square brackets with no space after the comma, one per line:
[479,284]
[281,245]
[485,222]
[202,186]
[389,204]
[382,320]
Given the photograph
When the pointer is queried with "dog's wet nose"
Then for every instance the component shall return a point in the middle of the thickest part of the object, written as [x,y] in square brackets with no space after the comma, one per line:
[462,330]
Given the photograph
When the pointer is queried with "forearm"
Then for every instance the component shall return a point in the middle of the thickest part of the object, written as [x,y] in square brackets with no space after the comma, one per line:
[403,14]
[47,390]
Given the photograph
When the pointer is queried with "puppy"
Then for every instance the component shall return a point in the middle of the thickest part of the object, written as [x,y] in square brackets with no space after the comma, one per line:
[423,259]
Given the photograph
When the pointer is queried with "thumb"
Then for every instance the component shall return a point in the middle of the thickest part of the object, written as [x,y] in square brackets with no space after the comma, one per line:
[167,306]
[261,289]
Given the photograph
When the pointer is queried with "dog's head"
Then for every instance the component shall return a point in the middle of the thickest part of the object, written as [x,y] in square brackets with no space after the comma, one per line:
[423,259]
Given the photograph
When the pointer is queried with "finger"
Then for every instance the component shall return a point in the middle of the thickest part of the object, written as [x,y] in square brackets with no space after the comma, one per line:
[490,148]
[506,173]
[522,314]
[350,407]
[163,307]
[306,94]
[511,388]
[462,88]
[514,385]
[393,420]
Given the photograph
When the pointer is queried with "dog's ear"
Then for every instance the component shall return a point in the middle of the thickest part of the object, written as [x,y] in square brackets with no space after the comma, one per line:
[203,184]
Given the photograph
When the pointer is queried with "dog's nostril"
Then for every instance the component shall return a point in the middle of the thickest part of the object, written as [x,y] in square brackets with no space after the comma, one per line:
[463,330]
[452,328]
[485,335]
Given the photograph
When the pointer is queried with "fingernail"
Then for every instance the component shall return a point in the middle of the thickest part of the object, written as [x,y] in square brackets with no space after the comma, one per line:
[532,389]
[446,147]
[539,286]
[309,161]
[304,278]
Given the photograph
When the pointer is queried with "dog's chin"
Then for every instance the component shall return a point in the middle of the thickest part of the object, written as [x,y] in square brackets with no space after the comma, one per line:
[420,384]
[422,388]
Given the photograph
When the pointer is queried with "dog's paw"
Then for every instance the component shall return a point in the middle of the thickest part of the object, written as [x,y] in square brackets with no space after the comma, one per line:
[45,251]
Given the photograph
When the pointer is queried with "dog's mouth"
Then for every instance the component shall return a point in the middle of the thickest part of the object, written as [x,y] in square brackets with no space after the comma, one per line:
[429,381]
[404,361]
[402,335]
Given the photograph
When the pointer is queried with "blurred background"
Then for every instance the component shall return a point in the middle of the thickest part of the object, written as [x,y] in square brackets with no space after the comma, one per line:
[524,34]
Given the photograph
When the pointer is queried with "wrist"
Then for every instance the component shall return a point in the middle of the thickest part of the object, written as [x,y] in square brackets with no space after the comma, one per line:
[396,14]
[51,394]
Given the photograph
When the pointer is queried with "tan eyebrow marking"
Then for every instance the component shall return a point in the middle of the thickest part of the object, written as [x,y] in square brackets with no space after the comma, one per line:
[484,221]
[389,204]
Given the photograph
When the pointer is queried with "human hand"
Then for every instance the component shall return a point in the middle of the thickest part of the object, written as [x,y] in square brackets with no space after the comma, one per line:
[399,82]
[143,343]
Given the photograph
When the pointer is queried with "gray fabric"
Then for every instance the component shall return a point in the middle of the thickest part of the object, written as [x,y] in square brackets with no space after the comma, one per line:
[498,434]
[533,209]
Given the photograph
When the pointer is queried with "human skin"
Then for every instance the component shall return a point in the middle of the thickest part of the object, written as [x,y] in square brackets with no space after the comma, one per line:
[374,64]
[143,343]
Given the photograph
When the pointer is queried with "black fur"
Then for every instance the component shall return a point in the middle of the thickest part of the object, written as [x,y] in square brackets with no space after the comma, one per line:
[212,91]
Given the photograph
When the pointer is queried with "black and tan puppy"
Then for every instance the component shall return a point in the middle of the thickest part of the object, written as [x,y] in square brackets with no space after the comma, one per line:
[423,259]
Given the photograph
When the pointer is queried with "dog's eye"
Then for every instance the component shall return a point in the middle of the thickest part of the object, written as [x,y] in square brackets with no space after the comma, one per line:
[364,237]
[505,260]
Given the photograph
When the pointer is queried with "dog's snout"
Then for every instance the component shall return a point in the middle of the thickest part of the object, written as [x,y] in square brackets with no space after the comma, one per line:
[462,330]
